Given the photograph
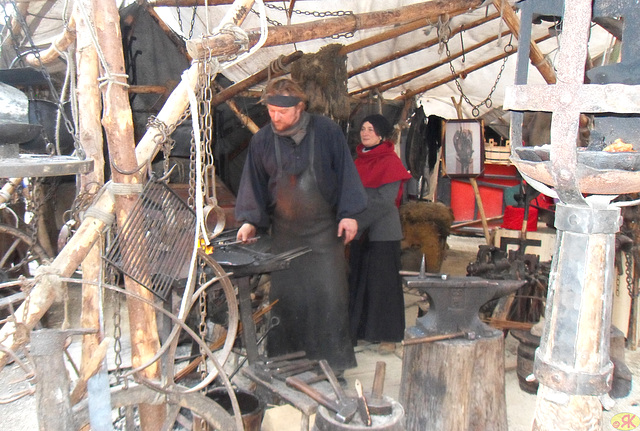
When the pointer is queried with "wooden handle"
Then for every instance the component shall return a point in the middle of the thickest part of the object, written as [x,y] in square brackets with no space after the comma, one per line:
[378,380]
[431,338]
[335,384]
[313,393]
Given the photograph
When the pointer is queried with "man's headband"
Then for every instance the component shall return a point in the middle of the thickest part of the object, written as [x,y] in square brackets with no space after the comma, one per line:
[282,101]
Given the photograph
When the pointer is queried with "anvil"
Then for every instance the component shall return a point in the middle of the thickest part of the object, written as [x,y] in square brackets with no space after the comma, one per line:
[454,302]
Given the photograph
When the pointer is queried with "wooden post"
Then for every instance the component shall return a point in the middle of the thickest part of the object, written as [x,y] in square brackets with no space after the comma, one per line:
[118,125]
[454,385]
[90,133]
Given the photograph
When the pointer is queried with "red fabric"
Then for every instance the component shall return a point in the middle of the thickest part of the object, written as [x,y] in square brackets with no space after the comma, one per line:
[380,166]
[513,216]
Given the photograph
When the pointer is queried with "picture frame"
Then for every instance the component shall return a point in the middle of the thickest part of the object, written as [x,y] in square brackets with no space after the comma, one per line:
[463,148]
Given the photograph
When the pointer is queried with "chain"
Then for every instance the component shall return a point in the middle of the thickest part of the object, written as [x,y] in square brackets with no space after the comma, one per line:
[193,20]
[315,14]
[163,140]
[628,270]
[488,102]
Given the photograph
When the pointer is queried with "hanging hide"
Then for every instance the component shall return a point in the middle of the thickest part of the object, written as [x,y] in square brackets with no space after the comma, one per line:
[323,77]
[424,140]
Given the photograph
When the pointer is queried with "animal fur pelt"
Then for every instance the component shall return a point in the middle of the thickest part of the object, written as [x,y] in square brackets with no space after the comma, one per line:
[323,77]
[426,226]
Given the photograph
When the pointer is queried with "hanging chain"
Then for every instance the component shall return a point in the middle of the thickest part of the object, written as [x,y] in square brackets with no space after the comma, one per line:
[193,20]
[628,270]
[444,32]
[315,14]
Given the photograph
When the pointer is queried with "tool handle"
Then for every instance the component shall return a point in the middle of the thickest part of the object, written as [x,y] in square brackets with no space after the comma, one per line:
[313,393]
[335,384]
[378,380]
[431,338]
[363,407]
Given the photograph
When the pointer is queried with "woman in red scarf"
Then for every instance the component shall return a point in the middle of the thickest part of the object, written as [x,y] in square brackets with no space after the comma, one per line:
[376,302]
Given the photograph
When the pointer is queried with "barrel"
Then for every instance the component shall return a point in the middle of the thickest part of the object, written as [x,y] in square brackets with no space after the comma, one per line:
[251,408]
[528,343]
[326,420]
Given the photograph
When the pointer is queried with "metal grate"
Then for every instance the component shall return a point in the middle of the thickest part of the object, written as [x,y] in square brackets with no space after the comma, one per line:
[155,244]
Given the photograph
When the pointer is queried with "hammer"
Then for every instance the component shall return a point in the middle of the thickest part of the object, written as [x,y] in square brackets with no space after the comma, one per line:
[347,405]
[470,335]
[344,412]
[377,404]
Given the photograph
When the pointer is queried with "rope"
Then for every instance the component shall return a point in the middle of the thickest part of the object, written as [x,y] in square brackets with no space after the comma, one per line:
[105,217]
[46,273]
[126,188]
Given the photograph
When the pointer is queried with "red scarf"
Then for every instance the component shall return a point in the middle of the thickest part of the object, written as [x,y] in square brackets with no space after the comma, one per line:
[381,165]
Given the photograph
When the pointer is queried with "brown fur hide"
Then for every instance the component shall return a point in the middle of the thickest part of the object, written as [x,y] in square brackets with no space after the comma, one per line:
[426,226]
[323,77]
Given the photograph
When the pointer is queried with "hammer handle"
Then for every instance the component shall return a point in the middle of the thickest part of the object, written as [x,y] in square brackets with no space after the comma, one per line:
[313,393]
[333,380]
[431,338]
[378,380]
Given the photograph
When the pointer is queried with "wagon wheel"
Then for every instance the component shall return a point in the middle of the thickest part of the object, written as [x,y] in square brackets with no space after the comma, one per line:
[222,308]
[181,408]
[221,289]
[19,252]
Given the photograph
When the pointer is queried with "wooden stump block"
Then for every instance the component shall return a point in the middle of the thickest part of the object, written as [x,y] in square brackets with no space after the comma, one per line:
[455,384]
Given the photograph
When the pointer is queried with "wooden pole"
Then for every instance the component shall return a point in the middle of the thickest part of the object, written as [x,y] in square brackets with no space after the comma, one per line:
[412,93]
[537,57]
[90,135]
[118,125]
[61,43]
[256,78]
[225,44]
[429,43]
[401,79]
[190,3]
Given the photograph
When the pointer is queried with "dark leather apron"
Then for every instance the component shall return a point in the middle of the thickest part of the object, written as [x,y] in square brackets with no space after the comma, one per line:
[313,291]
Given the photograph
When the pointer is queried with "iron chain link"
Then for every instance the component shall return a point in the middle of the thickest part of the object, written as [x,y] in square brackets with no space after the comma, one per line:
[315,14]
[488,101]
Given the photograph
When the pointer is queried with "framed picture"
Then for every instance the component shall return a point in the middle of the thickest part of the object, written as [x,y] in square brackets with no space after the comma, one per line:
[464,148]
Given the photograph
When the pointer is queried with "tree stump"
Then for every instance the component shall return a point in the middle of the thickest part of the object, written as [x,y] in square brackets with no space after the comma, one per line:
[455,384]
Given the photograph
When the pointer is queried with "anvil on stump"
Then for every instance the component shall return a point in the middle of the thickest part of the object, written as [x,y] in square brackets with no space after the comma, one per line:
[456,383]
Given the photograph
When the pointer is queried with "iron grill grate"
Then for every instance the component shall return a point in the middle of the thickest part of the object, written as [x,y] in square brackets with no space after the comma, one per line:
[155,243]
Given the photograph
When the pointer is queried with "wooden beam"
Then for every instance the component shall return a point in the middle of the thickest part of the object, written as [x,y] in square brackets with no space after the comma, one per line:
[412,93]
[399,80]
[148,89]
[190,3]
[225,44]
[537,57]
[269,72]
[61,43]
[429,43]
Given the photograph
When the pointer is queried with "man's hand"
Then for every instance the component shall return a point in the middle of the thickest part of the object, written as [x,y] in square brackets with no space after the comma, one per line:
[348,227]
[246,232]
